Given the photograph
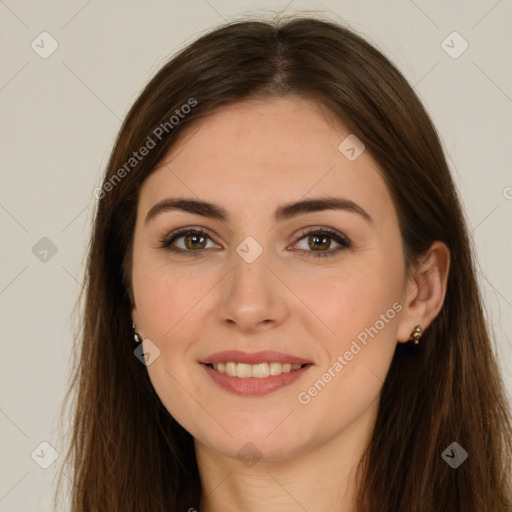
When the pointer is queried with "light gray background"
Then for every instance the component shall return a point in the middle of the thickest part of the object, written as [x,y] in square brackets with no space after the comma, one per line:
[60,118]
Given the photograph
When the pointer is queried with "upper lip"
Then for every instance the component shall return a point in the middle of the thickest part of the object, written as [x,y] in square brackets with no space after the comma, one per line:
[266,356]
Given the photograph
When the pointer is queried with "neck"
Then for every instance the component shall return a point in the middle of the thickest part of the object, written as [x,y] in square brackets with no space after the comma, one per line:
[316,478]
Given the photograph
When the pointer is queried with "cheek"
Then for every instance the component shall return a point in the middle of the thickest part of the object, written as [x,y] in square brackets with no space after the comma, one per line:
[357,296]
[360,305]
[168,303]
[362,310]
[166,294]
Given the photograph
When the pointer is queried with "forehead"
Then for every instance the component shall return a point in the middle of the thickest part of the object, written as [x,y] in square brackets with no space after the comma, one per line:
[256,153]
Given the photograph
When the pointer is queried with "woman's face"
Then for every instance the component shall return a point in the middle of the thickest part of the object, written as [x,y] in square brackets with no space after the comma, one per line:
[279,284]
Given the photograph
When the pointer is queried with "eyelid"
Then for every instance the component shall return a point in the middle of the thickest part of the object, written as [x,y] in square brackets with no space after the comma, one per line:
[321,229]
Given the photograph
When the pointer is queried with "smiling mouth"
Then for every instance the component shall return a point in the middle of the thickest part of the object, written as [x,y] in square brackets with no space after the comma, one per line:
[260,370]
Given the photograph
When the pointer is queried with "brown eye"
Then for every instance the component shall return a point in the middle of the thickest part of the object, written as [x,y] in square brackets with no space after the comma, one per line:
[189,242]
[319,241]
[193,241]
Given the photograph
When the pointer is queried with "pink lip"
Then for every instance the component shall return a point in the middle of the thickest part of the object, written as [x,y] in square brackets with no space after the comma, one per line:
[253,386]
[266,356]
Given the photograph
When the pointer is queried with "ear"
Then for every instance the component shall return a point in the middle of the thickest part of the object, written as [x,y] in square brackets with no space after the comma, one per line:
[425,290]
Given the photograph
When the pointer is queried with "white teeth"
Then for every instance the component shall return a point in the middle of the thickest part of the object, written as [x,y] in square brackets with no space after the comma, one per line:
[275,368]
[243,370]
[260,370]
[231,369]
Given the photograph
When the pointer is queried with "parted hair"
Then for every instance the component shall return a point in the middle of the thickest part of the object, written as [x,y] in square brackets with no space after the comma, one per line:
[127,453]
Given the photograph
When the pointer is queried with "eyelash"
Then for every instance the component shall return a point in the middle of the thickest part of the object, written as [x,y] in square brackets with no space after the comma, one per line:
[342,240]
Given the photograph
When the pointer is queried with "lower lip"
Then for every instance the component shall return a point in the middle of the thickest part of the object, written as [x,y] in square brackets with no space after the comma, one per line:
[253,386]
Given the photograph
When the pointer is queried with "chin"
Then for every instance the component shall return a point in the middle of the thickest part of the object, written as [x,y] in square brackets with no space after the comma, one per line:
[256,443]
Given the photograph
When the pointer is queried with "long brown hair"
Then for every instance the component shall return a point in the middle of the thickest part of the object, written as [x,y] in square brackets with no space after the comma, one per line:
[128,453]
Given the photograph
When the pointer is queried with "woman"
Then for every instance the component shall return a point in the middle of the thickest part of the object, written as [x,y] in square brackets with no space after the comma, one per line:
[279,235]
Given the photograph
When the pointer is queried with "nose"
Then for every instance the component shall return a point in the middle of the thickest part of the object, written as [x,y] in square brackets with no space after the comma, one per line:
[253,297]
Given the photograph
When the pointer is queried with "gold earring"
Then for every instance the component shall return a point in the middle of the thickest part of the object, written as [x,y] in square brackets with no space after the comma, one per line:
[416,334]
[135,335]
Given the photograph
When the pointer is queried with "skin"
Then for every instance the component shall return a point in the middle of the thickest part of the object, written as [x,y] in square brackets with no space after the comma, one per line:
[252,157]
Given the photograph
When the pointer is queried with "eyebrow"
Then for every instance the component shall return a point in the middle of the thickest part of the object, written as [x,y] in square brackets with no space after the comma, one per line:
[282,213]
